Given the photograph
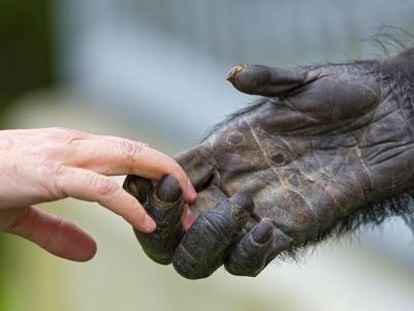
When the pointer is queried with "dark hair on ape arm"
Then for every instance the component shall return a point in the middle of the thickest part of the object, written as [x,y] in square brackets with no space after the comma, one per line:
[390,40]
[245,110]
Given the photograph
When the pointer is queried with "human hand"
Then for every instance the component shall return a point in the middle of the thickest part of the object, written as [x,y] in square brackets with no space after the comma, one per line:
[42,165]
[324,146]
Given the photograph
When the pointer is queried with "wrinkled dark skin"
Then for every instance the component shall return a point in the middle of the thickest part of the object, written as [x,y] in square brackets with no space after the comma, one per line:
[324,143]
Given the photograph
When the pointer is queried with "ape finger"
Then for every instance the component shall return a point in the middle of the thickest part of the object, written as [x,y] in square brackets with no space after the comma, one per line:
[266,81]
[203,247]
[165,205]
[198,169]
[251,254]
[139,187]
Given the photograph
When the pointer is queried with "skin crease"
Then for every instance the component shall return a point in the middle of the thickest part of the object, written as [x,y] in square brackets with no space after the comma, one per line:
[323,143]
[43,165]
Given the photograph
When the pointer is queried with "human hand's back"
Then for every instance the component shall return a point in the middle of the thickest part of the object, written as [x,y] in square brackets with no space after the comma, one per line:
[43,165]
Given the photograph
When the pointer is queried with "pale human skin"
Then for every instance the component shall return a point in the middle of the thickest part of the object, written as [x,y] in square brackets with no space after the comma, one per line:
[43,165]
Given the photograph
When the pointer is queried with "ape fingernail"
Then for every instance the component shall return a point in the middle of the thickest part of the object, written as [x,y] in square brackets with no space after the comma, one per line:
[263,231]
[168,189]
[191,191]
[244,201]
[231,74]
[130,186]
[138,187]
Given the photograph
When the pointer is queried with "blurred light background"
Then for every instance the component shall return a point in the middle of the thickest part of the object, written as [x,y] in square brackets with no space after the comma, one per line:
[153,70]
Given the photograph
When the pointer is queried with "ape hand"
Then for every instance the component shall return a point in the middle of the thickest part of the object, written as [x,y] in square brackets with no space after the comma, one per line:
[324,143]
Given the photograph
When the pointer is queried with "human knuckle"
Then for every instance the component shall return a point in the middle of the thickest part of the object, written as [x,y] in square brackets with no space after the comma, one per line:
[56,183]
[56,170]
[62,132]
[105,186]
[177,171]
[48,239]
[19,221]
[131,149]
[65,139]
[57,130]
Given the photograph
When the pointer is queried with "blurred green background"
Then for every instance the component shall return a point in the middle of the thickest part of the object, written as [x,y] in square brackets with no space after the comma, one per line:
[26,51]
[153,71]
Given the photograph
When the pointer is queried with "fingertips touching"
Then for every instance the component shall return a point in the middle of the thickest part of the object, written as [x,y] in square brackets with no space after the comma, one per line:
[165,205]
[189,192]
[109,155]
[89,186]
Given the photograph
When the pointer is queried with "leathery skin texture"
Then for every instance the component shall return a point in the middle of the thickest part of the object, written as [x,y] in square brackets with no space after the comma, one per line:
[322,144]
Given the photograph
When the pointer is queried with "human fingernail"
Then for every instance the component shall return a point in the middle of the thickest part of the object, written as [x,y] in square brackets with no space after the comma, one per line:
[188,218]
[189,215]
[244,201]
[149,224]
[191,191]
